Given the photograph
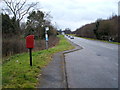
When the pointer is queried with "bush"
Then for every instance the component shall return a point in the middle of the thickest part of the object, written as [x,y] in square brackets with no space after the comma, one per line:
[14,45]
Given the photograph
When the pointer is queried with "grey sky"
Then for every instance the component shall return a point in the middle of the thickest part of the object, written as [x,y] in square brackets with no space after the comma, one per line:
[76,13]
[119,8]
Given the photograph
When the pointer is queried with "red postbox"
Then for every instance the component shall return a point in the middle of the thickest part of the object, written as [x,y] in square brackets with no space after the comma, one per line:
[30,45]
[30,41]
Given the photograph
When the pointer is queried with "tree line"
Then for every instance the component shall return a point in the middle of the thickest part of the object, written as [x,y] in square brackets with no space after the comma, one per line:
[101,29]
[36,24]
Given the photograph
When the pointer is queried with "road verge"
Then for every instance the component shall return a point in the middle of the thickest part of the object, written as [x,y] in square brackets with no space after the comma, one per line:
[17,73]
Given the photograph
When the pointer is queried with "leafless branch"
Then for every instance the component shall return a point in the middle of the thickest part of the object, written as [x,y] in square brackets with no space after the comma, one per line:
[26,11]
[16,5]
[9,5]
[17,8]
[21,5]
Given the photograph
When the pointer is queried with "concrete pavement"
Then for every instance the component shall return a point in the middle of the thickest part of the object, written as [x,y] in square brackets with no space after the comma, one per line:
[53,74]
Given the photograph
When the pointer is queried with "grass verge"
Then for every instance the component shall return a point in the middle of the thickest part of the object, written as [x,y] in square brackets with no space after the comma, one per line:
[17,73]
[96,39]
[102,40]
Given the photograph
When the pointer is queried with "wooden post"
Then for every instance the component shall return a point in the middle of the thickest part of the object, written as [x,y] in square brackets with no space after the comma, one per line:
[30,50]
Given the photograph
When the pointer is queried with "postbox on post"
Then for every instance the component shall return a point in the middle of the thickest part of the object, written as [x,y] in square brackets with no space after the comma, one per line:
[30,45]
[30,41]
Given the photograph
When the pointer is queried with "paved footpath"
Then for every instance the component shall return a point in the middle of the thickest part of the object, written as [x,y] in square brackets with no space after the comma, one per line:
[54,74]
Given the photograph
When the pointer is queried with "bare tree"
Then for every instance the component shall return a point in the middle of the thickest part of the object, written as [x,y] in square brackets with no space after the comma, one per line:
[18,8]
[48,17]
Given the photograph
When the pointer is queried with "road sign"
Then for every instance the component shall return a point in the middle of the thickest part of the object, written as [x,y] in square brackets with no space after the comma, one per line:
[47,28]
[46,37]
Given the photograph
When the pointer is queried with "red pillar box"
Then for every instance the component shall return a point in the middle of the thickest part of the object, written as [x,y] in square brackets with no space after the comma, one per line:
[30,41]
[30,45]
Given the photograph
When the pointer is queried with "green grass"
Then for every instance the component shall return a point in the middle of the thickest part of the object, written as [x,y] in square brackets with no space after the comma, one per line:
[71,34]
[17,73]
[102,40]
[96,39]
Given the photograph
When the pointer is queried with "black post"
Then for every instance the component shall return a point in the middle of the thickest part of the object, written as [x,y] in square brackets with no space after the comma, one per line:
[47,45]
[30,49]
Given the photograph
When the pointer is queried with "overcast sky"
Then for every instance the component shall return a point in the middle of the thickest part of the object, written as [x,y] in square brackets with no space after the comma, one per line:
[76,13]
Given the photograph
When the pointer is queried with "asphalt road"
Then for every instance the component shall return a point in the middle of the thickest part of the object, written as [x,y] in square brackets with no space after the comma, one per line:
[94,66]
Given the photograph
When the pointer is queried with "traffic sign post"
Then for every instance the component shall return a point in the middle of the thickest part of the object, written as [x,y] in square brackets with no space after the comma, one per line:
[46,36]
[30,45]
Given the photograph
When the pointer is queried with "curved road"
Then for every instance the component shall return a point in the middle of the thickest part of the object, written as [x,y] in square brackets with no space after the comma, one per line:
[94,66]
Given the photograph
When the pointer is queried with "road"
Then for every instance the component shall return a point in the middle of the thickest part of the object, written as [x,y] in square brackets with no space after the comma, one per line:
[94,66]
